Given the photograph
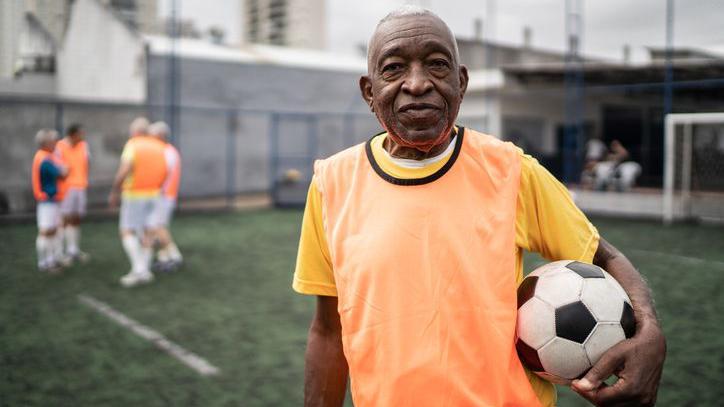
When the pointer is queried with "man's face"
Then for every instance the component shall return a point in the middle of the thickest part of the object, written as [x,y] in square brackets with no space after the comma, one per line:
[414,84]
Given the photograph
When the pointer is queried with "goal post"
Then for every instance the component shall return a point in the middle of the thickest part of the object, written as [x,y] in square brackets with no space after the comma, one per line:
[694,166]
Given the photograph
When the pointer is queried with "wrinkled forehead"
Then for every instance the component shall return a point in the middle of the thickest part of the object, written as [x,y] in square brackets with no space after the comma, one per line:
[397,34]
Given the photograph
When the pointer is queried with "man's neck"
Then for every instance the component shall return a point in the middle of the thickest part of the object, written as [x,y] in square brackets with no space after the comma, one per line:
[410,153]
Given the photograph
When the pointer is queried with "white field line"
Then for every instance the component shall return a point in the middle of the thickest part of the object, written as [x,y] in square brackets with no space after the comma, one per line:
[197,363]
[685,259]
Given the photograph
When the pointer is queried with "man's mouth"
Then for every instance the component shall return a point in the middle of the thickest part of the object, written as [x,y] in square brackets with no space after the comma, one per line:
[417,107]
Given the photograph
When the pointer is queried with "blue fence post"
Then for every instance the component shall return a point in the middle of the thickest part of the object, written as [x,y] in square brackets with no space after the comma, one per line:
[312,137]
[231,126]
[274,156]
[59,118]
[349,136]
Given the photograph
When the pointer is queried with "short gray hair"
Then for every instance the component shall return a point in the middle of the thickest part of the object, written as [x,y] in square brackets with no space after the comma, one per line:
[139,125]
[45,136]
[159,129]
[410,10]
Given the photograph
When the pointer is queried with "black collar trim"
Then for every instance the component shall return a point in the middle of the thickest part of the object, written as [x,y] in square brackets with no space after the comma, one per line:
[416,181]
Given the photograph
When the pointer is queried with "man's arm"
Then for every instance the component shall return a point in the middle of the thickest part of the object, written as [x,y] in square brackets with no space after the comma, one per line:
[638,361]
[325,373]
[123,170]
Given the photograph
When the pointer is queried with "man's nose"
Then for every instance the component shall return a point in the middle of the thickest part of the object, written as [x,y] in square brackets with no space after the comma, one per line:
[417,82]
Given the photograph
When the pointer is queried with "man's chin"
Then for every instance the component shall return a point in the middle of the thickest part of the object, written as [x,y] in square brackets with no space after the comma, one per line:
[423,139]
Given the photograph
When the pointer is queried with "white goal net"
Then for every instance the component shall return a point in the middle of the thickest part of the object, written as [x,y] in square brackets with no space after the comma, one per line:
[694,167]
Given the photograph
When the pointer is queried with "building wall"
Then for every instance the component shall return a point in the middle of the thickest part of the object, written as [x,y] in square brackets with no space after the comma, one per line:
[101,58]
[306,106]
[11,16]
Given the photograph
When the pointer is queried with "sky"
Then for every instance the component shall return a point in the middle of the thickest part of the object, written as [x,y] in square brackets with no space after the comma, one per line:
[608,24]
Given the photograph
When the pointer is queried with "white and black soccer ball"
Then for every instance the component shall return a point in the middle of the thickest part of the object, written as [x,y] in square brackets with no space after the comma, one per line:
[569,314]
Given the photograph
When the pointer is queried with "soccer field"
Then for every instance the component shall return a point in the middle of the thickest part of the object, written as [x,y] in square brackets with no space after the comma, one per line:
[233,306]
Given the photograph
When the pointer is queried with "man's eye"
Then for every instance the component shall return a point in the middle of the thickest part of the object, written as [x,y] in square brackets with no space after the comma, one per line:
[439,63]
[390,68]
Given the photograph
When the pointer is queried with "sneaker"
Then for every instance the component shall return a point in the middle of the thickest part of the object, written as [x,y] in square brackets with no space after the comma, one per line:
[51,269]
[81,257]
[64,261]
[133,279]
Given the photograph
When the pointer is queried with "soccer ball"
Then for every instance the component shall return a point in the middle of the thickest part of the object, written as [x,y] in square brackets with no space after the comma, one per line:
[292,176]
[569,314]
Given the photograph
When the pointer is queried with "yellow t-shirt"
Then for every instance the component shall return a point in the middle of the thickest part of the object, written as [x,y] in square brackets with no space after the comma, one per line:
[547,222]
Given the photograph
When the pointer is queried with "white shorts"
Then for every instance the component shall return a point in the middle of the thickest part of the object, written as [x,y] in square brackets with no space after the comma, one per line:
[75,202]
[137,213]
[48,214]
[163,213]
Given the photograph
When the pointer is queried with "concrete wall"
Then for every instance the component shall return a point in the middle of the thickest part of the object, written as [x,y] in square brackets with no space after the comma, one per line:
[101,58]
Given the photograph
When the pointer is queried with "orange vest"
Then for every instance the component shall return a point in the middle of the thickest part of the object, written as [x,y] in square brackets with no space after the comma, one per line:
[76,158]
[149,165]
[170,187]
[38,193]
[426,277]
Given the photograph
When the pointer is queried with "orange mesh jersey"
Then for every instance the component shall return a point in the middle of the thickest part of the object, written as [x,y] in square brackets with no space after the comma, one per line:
[40,186]
[75,157]
[146,155]
[425,263]
[173,168]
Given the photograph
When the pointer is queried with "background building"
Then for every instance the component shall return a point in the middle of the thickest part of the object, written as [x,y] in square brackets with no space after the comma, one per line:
[294,23]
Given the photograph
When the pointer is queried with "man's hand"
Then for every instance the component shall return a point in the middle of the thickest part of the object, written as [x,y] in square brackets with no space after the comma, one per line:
[113,199]
[638,361]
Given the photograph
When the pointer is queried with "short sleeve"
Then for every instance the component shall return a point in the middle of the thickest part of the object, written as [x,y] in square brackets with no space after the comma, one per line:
[128,153]
[314,274]
[548,221]
[50,169]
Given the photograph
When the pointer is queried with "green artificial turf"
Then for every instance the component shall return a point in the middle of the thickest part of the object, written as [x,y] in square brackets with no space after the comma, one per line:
[232,304]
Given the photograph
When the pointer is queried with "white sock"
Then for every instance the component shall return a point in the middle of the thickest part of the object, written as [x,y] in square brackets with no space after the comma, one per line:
[132,246]
[72,239]
[56,243]
[173,252]
[145,258]
[42,247]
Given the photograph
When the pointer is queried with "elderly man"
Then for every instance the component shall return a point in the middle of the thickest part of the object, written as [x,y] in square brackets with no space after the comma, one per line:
[46,174]
[169,257]
[73,152]
[140,176]
[413,241]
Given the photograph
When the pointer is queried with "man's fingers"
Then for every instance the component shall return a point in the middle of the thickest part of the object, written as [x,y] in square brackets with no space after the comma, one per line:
[589,395]
[619,393]
[603,369]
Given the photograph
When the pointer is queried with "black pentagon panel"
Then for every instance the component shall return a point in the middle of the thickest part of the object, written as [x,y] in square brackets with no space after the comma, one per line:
[574,322]
[526,289]
[528,356]
[628,322]
[585,270]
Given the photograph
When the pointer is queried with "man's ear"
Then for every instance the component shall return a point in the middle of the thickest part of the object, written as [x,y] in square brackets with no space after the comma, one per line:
[365,87]
[463,80]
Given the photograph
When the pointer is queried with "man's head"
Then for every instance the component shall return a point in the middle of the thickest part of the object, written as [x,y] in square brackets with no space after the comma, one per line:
[414,80]
[75,132]
[46,139]
[159,130]
[139,127]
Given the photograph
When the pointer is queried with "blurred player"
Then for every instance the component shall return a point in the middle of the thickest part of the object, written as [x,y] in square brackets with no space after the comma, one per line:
[73,152]
[46,173]
[140,176]
[169,256]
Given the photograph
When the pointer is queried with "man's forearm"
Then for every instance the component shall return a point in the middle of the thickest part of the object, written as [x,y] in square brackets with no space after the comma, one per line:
[326,371]
[613,261]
